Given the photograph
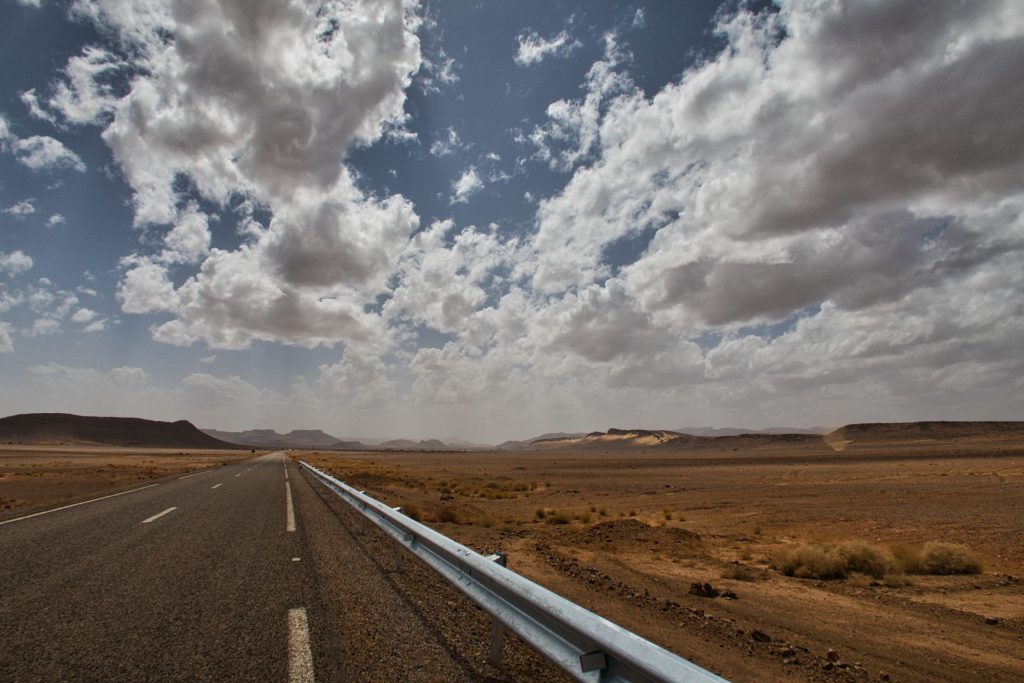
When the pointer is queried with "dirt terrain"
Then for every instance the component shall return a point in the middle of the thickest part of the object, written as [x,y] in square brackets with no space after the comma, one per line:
[38,477]
[628,534]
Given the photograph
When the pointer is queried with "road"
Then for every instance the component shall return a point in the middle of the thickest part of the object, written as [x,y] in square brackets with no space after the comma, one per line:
[249,572]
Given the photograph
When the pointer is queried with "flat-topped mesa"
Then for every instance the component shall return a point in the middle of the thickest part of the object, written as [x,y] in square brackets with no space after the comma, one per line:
[65,428]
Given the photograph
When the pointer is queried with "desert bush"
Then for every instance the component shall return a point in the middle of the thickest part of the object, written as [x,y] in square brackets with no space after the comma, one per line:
[412,512]
[739,572]
[585,518]
[667,513]
[907,559]
[541,513]
[862,557]
[603,512]
[948,558]
[811,561]
[632,513]
[559,518]
[447,514]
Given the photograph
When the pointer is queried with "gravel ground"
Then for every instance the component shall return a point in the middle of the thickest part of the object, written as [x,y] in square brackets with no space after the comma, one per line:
[398,620]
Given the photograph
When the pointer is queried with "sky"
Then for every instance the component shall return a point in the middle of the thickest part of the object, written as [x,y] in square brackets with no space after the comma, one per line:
[490,220]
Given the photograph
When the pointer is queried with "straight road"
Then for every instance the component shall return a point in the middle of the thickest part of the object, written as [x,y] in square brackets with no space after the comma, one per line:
[196,578]
[249,572]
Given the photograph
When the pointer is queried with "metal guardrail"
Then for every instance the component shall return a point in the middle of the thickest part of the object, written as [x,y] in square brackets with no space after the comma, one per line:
[586,646]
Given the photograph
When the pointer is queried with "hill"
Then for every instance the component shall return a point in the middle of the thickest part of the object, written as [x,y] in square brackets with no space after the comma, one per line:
[268,438]
[930,430]
[64,428]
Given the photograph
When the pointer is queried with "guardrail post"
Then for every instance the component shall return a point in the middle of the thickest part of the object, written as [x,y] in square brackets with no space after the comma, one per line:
[497,628]
[497,643]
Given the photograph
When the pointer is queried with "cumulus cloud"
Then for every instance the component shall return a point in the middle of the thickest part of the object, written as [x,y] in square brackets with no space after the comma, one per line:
[55,219]
[533,49]
[41,152]
[828,221]
[261,104]
[15,262]
[6,343]
[467,185]
[572,130]
[83,315]
[26,207]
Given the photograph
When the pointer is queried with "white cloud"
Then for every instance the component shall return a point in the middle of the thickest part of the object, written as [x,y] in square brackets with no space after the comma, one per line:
[207,360]
[6,343]
[449,144]
[15,262]
[31,102]
[55,219]
[262,104]
[43,327]
[97,325]
[467,185]
[83,315]
[533,49]
[23,208]
[41,152]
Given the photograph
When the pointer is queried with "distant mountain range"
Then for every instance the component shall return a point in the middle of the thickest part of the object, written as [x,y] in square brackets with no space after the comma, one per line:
[63,428]
[314,438]
[66,429]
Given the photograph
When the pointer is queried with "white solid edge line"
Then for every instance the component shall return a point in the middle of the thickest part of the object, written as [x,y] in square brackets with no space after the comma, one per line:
[300,656]
[159,515]
[74,505]
[291,508]
[196,474]
[239,474]
[216,486]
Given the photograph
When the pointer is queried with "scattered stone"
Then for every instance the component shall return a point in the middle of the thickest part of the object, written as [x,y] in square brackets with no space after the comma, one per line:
[787,651]
[991,621]
[884,676]
[760,636]
[704,590]
[829,666]
[729,595]
[832,655]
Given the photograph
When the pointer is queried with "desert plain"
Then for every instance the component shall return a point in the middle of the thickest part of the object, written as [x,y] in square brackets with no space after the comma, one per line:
[687,546]
[627,534]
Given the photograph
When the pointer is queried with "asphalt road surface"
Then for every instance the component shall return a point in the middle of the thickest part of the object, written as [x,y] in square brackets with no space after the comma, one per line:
[249,572]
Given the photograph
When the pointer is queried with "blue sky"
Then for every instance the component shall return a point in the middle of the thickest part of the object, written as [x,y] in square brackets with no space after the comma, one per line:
[496,219]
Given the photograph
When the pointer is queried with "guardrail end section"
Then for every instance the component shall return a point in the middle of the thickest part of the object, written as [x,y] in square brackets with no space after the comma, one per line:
[593,661]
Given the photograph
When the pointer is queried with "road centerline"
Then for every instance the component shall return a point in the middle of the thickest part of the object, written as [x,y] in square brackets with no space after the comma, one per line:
[216,486]
[300,656]
[290,507]
[159,515]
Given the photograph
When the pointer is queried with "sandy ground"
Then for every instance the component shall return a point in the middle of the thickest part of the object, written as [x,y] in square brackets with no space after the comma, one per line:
[636,529]
[38,477]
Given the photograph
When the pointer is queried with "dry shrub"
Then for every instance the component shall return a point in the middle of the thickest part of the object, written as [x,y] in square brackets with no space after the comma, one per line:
[541,513]
[739,572]
[811,561]
[949,558]
[447,514]
[412,512]
[865,558]
[559,518]
[907,559]
[828,561]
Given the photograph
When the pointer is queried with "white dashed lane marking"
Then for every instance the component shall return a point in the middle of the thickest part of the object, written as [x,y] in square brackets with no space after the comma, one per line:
[300,657]
[159,515]
[291,508]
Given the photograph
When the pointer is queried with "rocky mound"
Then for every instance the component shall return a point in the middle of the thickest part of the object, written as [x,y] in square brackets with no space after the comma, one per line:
[63,428]
[935,430]
[619,530]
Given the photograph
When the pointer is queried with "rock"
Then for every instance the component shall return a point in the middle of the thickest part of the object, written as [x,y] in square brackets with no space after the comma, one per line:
[704,590]
[829,666]
[991,621]
[760,636]
[729,595]
[787,651]
[832,656]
